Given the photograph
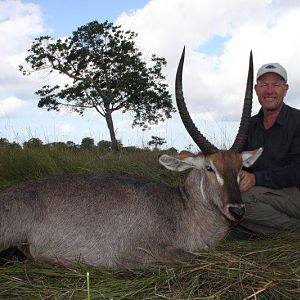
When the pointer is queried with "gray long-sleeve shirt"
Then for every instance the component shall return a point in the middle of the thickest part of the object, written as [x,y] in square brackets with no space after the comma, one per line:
[279,164]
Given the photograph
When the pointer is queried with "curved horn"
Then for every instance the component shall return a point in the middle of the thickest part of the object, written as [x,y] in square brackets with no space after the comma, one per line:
[241,136]
[205,146]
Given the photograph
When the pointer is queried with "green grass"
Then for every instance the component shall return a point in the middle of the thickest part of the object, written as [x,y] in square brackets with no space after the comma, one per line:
[255,269]
[19,165]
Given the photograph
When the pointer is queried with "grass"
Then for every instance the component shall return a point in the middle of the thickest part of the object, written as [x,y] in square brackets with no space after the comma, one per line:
[261,269]
[254,269]
[19,165]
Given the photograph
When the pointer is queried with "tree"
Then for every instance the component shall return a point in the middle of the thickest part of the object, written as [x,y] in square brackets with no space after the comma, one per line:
[104,145]
[107,73]
[156,141]
[87,143]
[56,145]
[4,143]
[107,145]
[15,145]
[33,143]
[71,145]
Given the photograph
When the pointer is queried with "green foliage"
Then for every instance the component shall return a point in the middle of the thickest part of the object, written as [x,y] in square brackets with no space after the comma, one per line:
[156,141]
[33,143]
[104,145]
[107,145]
[71,145]
[87,143]
[57,145]
[4,143]
[107,73]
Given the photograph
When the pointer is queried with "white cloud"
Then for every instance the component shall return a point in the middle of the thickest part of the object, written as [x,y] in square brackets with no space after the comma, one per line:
[19,24]
[123,125]
[65,128]
[10,106]
[207,116]
[214,84]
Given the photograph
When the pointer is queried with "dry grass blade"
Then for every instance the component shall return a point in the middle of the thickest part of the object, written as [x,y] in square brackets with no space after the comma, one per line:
[232,271]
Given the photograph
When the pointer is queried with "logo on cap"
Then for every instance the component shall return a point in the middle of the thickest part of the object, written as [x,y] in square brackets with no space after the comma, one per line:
[270,67]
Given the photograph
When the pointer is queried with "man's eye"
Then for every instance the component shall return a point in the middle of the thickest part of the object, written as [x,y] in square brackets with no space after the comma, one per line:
[209,169]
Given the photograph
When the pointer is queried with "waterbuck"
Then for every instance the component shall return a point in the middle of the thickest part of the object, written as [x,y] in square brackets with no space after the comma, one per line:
[129,221]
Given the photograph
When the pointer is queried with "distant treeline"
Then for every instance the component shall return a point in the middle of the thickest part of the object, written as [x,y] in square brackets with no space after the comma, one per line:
[87,143]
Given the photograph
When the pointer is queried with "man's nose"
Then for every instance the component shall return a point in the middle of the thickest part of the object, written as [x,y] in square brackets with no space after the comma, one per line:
[270,88]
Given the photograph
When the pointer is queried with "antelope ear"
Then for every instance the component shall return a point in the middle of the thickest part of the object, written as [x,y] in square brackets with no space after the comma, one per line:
[250,157]
[180,164]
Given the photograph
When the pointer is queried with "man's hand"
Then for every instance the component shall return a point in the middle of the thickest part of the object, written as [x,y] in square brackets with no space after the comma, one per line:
[247,181]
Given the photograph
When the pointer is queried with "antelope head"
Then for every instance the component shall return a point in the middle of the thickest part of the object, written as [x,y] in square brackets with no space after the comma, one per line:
[216,172]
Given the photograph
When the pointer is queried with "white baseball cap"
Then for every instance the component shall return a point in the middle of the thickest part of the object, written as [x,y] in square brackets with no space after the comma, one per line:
[272,68]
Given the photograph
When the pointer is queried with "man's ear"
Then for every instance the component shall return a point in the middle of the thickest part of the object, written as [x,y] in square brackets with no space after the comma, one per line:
[250,157]
[255,88]
[286,89]
[180,163]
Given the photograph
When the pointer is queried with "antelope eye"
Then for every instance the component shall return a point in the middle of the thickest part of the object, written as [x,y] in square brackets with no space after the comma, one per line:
[209,169]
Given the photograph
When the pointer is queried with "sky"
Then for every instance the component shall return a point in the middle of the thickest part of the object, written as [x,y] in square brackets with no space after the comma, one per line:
[218,36]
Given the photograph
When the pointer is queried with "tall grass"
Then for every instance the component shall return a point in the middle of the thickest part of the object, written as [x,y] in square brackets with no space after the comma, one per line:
[255,269]
[22,164]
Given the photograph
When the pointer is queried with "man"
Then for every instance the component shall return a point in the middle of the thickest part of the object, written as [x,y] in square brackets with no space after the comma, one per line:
[270,189]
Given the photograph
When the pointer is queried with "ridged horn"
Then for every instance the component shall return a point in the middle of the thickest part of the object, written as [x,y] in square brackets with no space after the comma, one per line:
[241,136]
[205,146]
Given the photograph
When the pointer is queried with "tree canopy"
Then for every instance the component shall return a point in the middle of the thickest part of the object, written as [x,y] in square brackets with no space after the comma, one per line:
[107,73]
[156,141]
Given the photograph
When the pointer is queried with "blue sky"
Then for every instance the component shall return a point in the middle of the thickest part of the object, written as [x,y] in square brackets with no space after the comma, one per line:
[66,15]
[218,36]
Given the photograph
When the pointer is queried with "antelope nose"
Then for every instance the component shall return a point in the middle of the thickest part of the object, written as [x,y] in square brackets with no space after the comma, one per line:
[237,212]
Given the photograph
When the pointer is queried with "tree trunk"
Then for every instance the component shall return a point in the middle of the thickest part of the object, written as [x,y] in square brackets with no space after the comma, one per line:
[110,125]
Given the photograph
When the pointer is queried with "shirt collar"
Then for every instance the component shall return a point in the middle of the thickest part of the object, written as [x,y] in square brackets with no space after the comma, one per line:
[281,119]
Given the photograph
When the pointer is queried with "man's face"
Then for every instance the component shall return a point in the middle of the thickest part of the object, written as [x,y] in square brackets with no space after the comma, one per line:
[270,90]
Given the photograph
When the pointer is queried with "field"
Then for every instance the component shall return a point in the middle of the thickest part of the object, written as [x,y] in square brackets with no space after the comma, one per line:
[260,268]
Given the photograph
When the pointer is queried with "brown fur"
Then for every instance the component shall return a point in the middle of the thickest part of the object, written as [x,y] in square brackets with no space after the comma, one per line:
[111,221]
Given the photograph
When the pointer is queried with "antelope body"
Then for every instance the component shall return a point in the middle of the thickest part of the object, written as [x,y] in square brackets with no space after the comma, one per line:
[127,221]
